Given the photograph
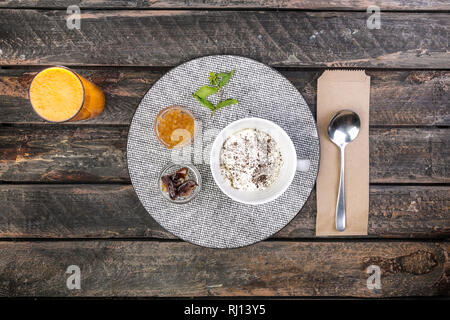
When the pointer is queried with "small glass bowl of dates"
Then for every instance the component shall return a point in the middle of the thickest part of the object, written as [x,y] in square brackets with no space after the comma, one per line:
[179,183]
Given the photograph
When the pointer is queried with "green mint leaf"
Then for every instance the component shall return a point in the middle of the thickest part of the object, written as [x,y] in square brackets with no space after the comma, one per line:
[204,102]
[225,77]
[212,79]
[217,81]
[205,91]
[225,103]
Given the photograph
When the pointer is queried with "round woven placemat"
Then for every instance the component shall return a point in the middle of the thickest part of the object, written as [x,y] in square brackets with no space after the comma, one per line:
[212,219]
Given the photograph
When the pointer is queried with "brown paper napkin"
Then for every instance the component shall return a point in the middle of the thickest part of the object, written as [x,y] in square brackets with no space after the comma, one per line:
[337,90]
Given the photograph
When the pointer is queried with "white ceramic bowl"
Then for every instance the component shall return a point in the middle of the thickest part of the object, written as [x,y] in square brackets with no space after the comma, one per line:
[290,162]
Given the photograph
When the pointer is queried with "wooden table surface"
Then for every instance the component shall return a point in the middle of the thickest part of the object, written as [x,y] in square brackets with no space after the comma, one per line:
[65,192]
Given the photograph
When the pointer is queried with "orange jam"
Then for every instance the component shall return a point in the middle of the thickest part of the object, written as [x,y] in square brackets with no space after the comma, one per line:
[174,127]
[59,94]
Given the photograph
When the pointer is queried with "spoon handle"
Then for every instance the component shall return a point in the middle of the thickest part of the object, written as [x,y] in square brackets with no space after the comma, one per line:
[340,205]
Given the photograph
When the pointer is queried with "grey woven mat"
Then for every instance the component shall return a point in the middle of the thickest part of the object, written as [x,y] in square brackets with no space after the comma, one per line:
[212,219]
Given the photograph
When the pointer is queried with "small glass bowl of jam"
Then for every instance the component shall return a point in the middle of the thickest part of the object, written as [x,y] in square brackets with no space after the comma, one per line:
[175,127]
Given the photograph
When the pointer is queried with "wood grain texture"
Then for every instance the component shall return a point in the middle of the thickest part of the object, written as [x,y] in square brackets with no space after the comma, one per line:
[124,268]
[397,97]
[114,211]
[409,155]
[97,154]
[154,264]
[416,5]
[278,38]
[63,154]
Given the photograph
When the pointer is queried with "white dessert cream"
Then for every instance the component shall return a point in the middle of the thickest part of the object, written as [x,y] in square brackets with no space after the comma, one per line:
[251,160]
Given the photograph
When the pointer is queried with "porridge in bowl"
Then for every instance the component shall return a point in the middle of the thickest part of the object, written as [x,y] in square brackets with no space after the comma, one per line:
[250,159]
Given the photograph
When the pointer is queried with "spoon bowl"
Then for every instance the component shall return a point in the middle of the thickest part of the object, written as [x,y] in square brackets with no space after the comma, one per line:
[343,128]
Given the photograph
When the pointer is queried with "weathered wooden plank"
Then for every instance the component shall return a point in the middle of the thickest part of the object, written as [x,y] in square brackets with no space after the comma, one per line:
[114,211]
[97,154]
[63,154]
[220,4]
[397,97]
[279,38]
[394,212]
[124,268]
[409,155]
[401,98]
[124,88]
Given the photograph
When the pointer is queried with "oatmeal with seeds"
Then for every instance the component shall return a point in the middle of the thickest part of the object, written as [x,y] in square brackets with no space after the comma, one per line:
[250,160]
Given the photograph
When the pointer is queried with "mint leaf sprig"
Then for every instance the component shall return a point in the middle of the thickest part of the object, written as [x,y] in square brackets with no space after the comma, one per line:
[217,82]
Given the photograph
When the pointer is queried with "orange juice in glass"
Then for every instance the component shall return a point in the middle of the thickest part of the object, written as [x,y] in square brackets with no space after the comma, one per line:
[59,94]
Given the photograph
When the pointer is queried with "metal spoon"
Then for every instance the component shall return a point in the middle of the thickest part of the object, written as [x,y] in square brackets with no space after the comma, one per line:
[343,129]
